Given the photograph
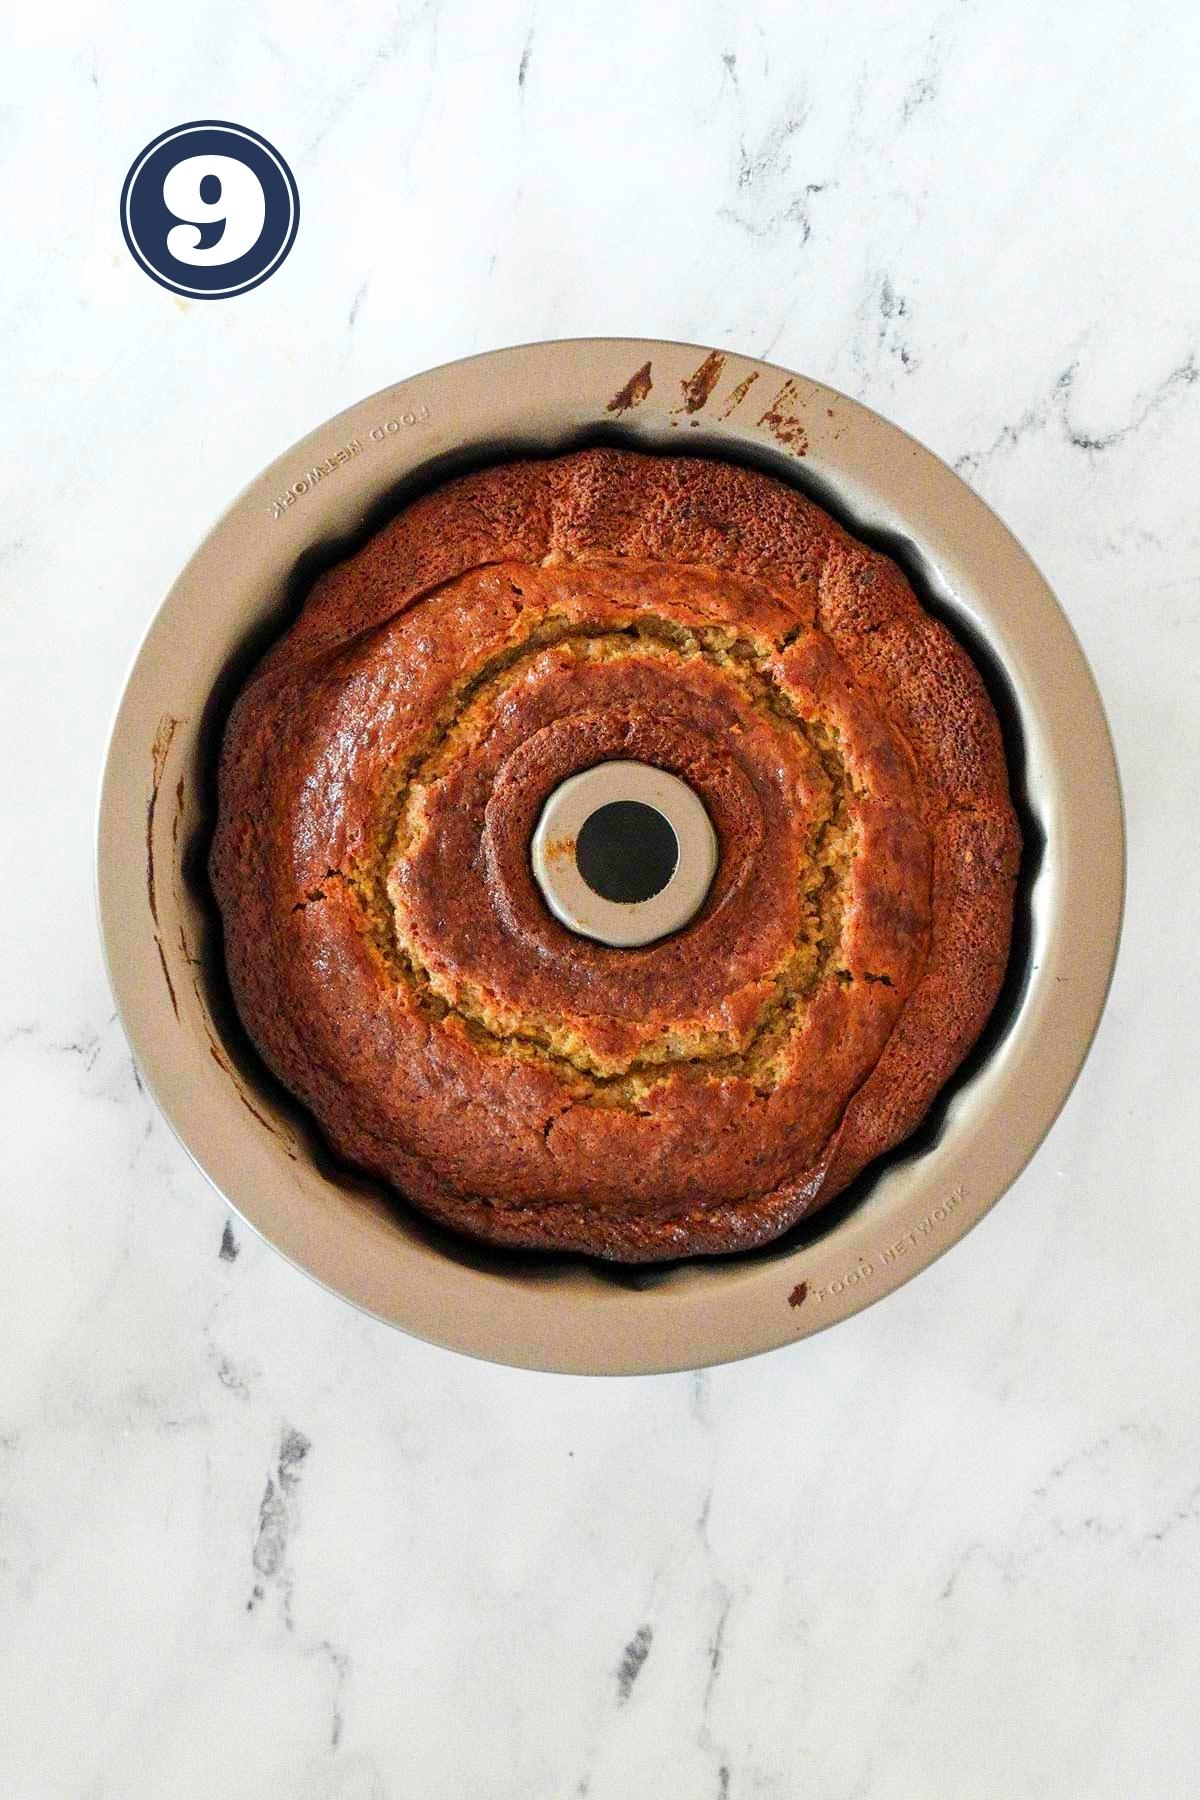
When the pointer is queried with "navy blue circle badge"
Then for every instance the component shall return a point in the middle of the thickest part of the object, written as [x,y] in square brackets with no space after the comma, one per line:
[209,209]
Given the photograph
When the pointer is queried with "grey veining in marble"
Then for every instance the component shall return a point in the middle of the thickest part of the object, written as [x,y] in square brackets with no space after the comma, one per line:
[253,1544]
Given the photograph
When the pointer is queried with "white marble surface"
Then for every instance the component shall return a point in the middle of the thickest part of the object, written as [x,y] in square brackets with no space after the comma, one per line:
[252,1544]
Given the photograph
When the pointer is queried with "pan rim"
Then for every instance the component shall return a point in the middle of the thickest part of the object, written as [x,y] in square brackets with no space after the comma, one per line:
[571,1320]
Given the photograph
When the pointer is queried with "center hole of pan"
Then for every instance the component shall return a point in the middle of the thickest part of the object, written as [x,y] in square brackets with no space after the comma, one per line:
[626,851]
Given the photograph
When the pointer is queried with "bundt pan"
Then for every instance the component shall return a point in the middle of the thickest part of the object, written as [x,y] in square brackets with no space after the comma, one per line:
[162,936]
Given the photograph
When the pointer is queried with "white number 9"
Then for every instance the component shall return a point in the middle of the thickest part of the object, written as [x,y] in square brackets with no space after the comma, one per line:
[235,197]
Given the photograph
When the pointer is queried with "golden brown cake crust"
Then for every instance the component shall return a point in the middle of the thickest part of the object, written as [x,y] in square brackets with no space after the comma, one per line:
[390,955]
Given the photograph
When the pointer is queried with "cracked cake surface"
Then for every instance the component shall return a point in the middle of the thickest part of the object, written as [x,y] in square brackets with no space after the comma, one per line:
[392,958]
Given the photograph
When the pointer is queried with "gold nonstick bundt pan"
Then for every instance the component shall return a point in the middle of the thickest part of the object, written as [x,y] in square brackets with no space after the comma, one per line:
[162,942]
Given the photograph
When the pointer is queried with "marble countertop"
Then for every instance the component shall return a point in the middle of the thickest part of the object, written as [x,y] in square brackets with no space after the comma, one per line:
[253,1544]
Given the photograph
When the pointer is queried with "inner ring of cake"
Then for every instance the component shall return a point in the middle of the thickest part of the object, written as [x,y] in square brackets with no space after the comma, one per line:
[707,708]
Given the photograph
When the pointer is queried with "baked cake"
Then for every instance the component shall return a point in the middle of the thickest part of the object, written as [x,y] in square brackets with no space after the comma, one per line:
[390,952]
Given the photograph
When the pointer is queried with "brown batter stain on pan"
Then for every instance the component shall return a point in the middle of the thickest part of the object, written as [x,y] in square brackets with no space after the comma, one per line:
[222,1062]
[160,749]
[251,1108]
[166,974]
[560,847]
[739,393]
[782,418]
[697,389]
[799,1294]
[634,391]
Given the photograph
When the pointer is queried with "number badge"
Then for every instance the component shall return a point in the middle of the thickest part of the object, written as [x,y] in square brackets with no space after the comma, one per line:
[209,209]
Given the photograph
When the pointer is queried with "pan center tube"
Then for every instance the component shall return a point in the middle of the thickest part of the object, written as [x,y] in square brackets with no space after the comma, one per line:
[624,853]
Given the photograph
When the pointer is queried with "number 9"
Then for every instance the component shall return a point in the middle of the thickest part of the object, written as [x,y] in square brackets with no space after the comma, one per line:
[240,205]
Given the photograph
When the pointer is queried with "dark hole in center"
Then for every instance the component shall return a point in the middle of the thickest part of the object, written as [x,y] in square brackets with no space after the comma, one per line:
[626,851]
